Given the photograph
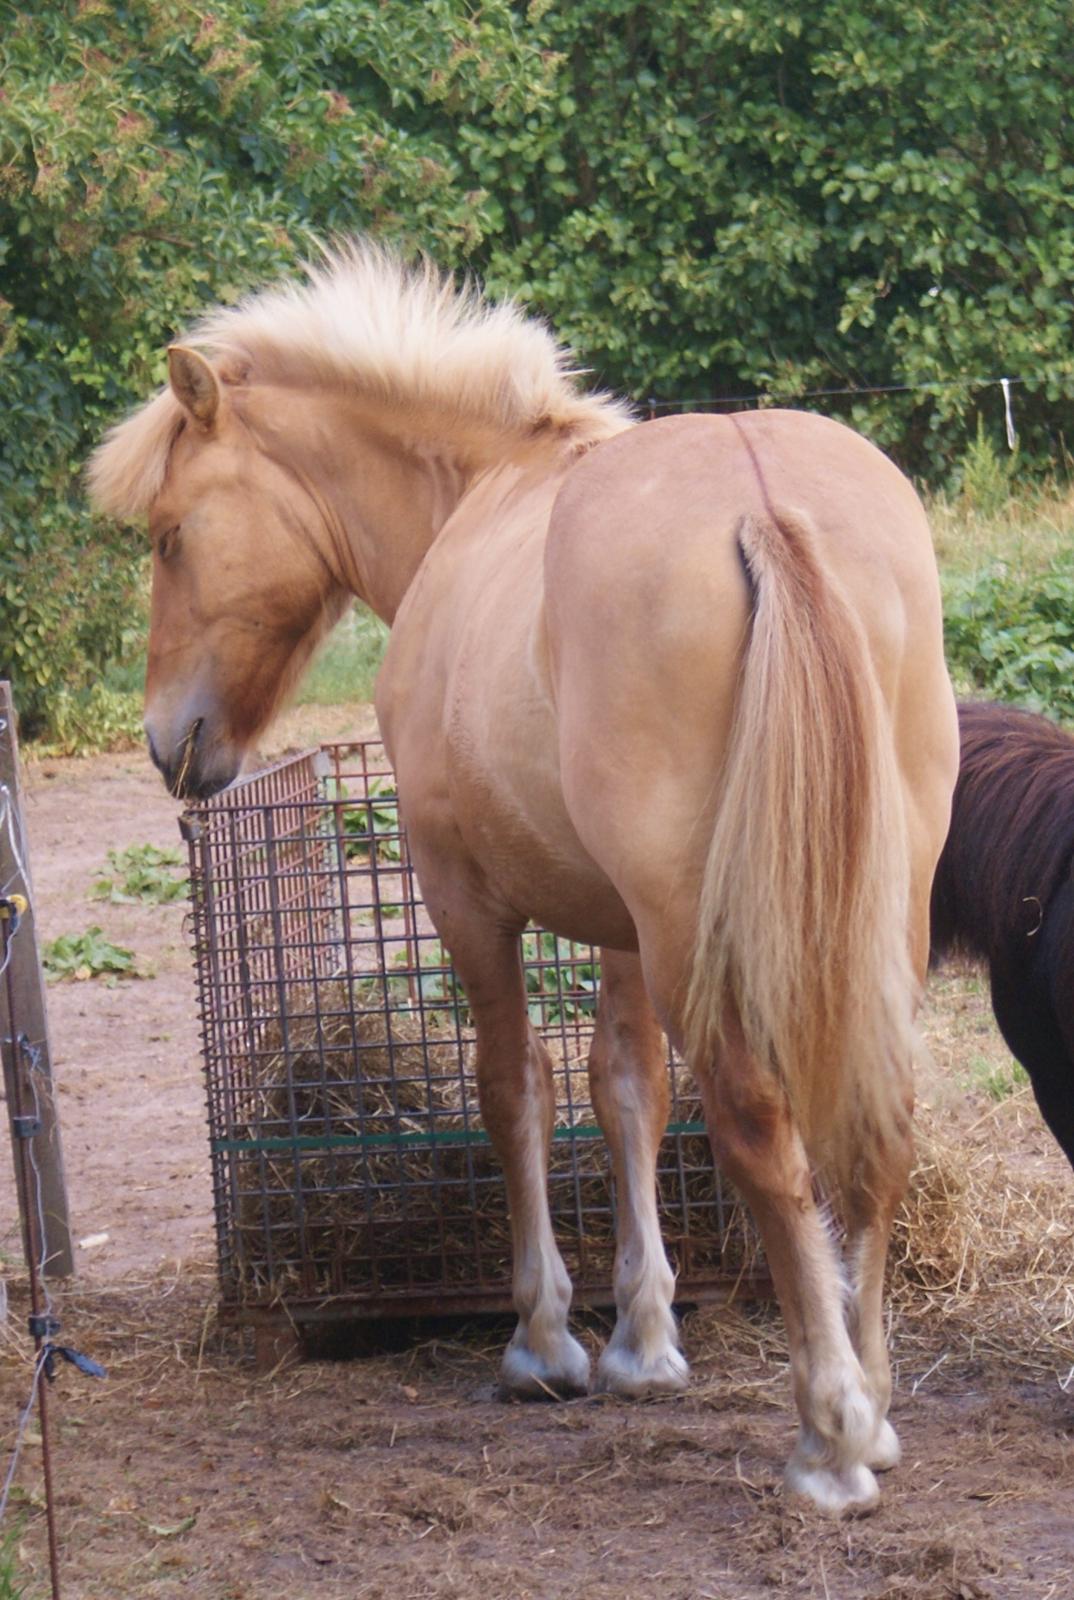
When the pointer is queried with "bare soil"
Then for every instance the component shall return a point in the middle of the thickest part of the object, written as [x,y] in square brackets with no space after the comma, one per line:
[399,1474]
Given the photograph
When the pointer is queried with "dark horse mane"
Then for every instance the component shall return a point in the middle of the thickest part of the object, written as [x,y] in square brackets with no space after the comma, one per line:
[1004,891]
[1011,844]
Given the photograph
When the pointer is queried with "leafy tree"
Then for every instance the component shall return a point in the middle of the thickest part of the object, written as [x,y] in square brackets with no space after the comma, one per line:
[725,198]
[706,198]
[156,156]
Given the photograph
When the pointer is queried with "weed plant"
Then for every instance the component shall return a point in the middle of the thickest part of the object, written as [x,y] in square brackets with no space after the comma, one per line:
[88,955]
[142,872]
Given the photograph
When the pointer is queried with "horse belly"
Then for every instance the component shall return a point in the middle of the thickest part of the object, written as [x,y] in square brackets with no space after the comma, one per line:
[508,804]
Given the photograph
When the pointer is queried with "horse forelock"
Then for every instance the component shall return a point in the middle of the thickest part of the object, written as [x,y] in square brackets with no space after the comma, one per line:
[365,322]
[127,472]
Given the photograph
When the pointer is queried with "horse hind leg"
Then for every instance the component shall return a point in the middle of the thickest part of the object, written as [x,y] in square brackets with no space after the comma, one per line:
[873,1193]
[870,1212]
[629,1084]
[758,1147]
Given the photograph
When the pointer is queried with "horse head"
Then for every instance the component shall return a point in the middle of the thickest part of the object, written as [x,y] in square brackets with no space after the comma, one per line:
[240,591]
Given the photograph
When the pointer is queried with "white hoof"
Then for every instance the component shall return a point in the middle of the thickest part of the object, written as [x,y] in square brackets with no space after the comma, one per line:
[885,1451]
[852,1490]
[531,1376]
[623,1371]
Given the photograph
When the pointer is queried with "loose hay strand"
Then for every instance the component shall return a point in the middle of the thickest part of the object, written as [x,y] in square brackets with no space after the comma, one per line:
[981,1250]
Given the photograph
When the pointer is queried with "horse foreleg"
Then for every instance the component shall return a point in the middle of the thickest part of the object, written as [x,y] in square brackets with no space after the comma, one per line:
[629,1082]
[515,1091]
[757,1145]
[514,1077]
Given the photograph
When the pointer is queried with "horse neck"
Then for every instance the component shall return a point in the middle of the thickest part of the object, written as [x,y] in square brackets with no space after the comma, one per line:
[389,508]
[382,485]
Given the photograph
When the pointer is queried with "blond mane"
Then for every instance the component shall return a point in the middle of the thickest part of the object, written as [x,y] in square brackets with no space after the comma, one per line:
[364,322]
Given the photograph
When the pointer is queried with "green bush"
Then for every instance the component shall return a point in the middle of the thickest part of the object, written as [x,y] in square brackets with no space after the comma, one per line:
[705,198]
[984,478]
[156,158]
[81,721]
[1012,637]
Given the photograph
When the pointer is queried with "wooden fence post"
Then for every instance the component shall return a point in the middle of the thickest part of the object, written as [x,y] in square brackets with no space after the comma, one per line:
[27,1041]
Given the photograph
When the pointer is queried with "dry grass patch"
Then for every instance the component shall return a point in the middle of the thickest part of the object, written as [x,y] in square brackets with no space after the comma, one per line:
[1028,531]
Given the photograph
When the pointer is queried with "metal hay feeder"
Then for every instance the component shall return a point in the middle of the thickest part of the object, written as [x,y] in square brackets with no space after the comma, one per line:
[352,1177]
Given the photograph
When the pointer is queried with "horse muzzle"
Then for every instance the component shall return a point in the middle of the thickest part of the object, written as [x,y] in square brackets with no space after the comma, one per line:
[194,766]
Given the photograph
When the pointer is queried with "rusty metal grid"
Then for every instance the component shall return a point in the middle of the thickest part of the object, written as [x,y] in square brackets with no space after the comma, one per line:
[351,1172]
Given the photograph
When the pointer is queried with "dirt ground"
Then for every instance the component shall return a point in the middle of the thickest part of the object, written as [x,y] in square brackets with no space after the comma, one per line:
[400,1474]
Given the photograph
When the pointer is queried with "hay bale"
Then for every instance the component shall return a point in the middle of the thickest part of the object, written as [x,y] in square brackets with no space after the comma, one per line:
[369,1170]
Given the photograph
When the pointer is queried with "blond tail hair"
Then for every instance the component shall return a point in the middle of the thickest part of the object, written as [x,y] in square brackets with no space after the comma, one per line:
[803,919]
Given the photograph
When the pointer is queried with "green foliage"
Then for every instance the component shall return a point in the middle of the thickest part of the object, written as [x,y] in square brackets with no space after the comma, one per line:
[142,872]
[561,988]
[346,668]
[11,1585]
[84,721]
[704,198]
[374,822]
[88,955]
[983,476]
[719,199]
[998,1081]
[1013,636]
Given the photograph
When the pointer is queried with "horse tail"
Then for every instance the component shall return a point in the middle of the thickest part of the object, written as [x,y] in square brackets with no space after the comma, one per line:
[803,919]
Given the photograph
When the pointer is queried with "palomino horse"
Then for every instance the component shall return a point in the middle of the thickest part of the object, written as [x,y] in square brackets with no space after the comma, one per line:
[1004,890]
[674,689]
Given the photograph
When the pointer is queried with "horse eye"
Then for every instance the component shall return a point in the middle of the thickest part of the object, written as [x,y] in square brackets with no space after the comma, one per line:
[168,543]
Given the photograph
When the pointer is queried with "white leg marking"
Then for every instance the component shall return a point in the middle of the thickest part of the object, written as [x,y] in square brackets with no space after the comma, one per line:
[543,1359]
[828,1464]
[642,1356]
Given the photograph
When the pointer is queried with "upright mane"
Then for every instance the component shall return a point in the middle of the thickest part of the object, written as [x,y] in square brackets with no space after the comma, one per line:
[1011,843]
[365,322]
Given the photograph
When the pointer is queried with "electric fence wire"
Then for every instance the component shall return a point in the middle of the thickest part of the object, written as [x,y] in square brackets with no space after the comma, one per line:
[34,1056]
[37,1263]
[9,821]
[20,1433]
[927,385]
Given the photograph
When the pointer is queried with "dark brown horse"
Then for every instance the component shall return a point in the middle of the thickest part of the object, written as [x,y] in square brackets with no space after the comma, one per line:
[1004,890]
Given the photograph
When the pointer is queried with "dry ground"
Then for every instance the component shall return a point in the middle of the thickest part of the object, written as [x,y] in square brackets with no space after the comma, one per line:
[400,1474]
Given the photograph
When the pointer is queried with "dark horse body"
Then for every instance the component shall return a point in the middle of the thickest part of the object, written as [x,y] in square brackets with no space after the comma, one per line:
[1004,890]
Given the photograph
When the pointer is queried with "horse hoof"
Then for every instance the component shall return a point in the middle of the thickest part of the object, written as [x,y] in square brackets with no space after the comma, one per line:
[525,1375]
[885,1451]
[850,1492]
[622,1371]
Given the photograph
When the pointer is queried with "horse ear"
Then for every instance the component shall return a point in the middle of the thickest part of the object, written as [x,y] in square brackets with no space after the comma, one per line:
[194,384]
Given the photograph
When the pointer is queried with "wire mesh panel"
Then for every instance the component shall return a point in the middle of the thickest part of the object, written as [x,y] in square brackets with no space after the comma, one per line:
[350,1165]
